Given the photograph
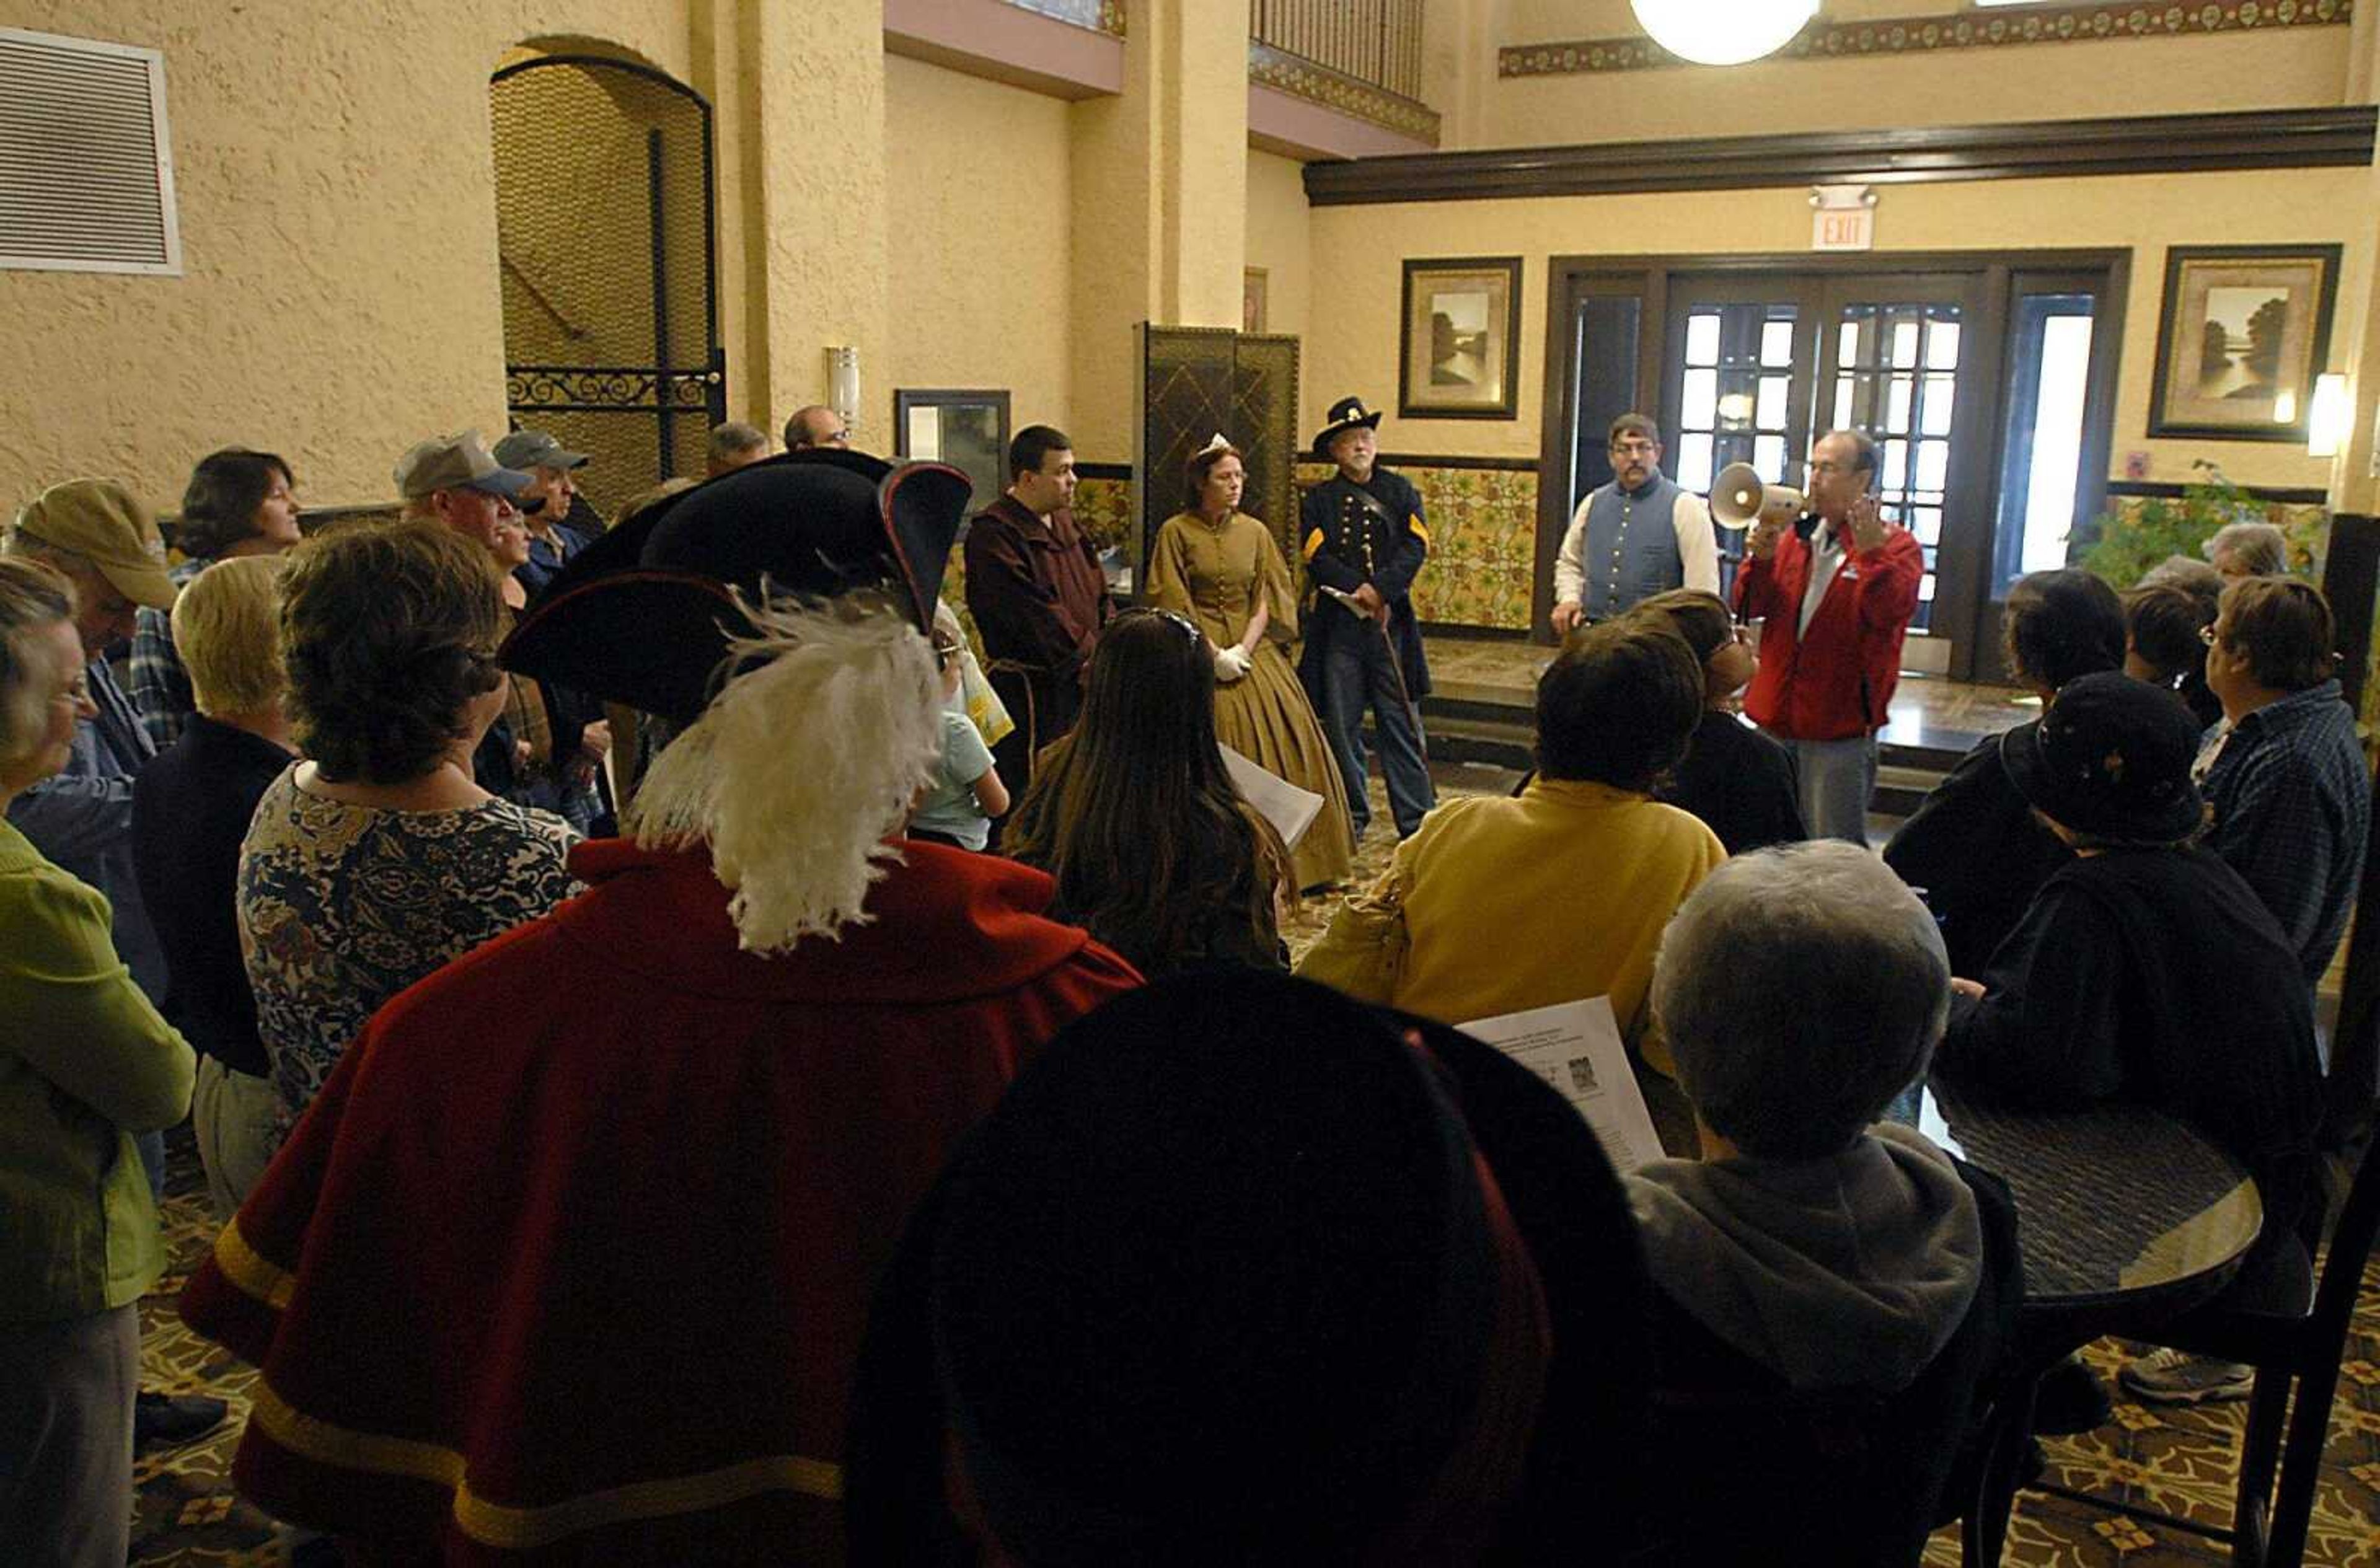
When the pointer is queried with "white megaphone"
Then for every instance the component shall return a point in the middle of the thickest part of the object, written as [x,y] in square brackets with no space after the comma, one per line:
[1738,498]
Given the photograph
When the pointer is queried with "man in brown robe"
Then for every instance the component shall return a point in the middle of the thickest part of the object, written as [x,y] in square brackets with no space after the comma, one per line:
[1038,598]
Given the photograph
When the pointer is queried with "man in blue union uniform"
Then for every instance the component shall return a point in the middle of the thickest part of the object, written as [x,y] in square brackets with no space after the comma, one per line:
[1363,537]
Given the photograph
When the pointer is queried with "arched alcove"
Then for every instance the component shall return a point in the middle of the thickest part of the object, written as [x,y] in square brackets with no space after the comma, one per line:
[605,235]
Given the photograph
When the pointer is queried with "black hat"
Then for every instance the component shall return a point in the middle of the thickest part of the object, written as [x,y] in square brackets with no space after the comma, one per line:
[1231,1275]
[1345,415]
[2110,757]
[644,614]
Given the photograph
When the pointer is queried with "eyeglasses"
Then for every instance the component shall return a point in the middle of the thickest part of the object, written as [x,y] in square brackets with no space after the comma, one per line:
[1635,448]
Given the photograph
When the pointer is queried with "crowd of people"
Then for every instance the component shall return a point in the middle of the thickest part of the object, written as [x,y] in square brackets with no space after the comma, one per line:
[694,1066]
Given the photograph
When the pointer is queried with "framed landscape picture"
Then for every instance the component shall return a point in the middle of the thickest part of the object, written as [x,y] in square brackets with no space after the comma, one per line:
[2244,330]
[1462,329]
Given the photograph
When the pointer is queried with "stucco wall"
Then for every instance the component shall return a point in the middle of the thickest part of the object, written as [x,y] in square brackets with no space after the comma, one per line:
[337,209]
[1279,227]
[2269,67]
[981,183]
[1352,339]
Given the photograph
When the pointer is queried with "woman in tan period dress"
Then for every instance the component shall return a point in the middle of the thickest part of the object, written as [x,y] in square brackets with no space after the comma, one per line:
[1221,568]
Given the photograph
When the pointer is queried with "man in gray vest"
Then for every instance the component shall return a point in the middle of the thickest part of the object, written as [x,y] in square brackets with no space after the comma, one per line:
[1638,536]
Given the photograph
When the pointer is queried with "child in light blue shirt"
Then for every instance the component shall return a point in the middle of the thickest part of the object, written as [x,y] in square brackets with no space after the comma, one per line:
[957,808]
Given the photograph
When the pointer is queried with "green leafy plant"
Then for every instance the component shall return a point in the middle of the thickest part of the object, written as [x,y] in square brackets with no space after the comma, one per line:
[2132,541]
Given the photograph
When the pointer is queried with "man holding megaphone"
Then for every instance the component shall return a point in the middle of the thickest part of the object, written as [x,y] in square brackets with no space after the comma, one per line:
[1835,588]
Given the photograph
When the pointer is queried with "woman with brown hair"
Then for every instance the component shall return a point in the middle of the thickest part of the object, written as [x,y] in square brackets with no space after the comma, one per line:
[1220,568]
[239,503]
[1154,851]
[379,858]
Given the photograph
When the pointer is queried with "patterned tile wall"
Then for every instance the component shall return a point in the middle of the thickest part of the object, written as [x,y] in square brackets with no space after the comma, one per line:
[1482,534]
[1103,510]
[1911,35]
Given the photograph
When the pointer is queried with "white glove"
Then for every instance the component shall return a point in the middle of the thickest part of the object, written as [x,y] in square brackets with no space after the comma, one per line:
[1230,663]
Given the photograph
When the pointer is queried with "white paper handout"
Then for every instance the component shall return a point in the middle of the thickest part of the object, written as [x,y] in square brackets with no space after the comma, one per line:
[1575,1047]
[1290,809]
[1930,1123]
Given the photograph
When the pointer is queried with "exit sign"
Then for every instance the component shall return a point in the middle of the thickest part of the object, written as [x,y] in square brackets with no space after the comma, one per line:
[1842,228]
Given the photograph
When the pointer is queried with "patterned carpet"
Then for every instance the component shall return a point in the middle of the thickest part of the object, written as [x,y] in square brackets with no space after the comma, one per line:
[2180,1461]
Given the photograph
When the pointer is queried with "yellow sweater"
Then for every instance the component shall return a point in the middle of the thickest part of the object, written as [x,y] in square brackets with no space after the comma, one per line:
[1558,894]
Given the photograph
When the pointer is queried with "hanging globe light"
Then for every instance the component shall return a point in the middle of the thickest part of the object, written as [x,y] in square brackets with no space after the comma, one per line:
[1723,32]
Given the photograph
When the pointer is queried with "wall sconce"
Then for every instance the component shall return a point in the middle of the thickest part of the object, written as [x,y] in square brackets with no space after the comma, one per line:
[2328,414]
[843,384]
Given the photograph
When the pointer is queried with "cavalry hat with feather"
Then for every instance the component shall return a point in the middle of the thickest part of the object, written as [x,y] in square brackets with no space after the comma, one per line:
[644,616]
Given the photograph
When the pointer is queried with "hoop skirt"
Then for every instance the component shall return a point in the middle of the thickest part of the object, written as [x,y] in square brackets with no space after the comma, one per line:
[1217,574]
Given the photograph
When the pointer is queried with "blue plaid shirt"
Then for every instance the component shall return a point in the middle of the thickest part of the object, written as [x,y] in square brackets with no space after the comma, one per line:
[153,677]
[2292,807]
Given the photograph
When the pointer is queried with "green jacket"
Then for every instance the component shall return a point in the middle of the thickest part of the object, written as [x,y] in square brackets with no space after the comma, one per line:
[85,1062]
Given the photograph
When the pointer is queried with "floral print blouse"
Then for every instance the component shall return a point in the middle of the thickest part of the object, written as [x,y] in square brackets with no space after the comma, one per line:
[342,907]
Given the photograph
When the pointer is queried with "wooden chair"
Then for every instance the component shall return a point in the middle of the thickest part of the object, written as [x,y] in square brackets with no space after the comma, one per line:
[2301,1353]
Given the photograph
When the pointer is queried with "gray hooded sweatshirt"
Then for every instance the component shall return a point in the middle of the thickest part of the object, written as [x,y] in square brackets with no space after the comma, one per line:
[1849,1271]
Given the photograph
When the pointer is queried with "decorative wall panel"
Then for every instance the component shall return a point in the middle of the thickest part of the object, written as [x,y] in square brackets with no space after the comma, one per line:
[1483,526]
[1909,35]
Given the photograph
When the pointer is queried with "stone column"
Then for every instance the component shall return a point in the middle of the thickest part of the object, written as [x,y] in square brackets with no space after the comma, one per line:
[1159,219]
[811,94]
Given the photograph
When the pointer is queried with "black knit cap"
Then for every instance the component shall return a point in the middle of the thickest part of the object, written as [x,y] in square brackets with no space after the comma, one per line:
[2110,757]
[644,614]
[1212,1286]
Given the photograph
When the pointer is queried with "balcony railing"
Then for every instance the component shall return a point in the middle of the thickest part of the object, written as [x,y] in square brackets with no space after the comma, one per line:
[1374,41]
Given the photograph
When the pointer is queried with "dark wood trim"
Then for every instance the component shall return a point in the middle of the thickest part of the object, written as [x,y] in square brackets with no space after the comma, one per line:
[2350,575]
[2284,496]
[2260,138]
[1103,471]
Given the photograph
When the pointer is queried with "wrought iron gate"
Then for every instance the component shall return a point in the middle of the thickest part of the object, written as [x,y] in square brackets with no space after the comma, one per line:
[605,233]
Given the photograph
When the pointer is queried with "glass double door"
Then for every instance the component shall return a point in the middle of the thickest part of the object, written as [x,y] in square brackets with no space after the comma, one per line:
[1756,368]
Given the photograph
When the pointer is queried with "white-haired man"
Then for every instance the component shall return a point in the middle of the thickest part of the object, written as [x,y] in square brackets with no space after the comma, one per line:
[1813,1251]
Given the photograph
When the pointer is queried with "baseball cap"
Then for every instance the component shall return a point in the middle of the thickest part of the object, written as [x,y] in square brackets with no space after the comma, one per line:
[456,462]
[535,449]
[99,518]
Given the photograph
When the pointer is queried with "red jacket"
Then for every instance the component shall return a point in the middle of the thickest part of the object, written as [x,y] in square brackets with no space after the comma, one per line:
[569,1261]
[1836,681]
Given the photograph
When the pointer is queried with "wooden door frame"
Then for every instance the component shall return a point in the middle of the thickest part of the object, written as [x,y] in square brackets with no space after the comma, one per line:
[1571,277]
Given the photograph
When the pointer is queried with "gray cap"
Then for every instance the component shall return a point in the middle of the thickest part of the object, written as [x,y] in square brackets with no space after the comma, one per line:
[535,449]
[456,462]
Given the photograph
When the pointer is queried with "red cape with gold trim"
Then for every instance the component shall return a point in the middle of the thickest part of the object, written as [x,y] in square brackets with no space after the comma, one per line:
[570,1259]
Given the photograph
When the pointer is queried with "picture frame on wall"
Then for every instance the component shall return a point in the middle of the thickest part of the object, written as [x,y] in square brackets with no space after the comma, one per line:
[1461,332]
[2244,330]
[968,429]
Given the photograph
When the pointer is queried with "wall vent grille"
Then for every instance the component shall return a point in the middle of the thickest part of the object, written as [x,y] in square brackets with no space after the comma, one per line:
[86,167]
